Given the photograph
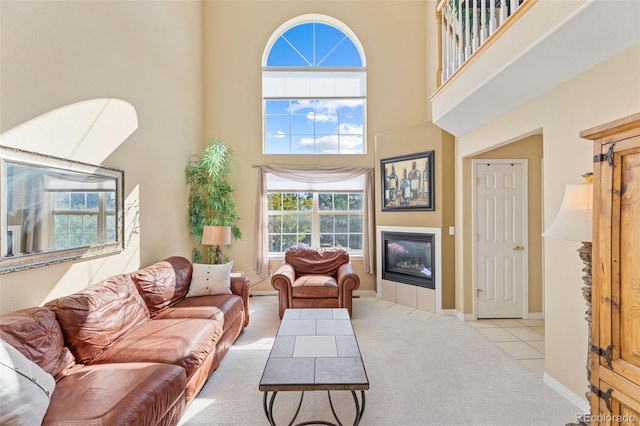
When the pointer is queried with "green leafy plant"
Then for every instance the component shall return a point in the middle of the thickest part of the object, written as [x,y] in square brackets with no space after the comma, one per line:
[211,200]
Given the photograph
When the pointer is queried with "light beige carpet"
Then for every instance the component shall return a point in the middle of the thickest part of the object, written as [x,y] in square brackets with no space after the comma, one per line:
[423,370]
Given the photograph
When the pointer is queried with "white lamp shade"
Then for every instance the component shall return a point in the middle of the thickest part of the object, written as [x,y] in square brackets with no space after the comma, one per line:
[574,219]
[216,235]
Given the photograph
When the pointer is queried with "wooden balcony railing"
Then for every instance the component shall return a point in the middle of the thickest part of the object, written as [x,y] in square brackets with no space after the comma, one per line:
[464,26]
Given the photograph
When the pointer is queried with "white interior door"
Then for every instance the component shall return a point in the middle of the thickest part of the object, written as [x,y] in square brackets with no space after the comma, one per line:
[500,249]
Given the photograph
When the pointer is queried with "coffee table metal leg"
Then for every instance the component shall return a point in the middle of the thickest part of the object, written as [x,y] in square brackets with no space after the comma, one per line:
[359,407]
[359,404]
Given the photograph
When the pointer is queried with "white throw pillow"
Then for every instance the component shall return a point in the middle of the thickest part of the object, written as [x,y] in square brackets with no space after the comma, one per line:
[208,280]
[25,388]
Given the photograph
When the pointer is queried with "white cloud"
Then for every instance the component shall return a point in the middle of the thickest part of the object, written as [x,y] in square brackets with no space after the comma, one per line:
[280,134]
[350,129]
[349,144]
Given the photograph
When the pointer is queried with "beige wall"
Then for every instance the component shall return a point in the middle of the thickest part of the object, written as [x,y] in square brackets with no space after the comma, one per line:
[605,92]
[148,54]
[236,32]
[425,137]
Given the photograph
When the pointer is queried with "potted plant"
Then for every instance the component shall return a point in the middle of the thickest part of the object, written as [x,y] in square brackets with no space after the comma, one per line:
[211,200]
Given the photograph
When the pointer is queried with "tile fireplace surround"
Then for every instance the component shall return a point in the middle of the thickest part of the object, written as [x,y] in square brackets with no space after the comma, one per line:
[406,294]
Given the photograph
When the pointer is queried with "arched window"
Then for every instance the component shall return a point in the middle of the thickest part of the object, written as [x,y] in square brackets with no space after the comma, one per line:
[314,89]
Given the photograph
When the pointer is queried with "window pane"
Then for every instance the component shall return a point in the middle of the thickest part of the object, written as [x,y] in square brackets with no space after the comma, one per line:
[325,202]
[278,107]
[327,144]
[355,242]
[275,224]
[61,201]
[289,224]
[304,224]
[326,124]
[355,223]
[302,144]
[356,202]
[351,144]
[305,201]
[275,243]
[111,228]
[326,223]
[277,144]
[277,125]
[342,240]
[341,202]
[290,202]
[302,124]
[326,240]
[289,241]
[111,201]
[274,201]
[93,201]
[78,200]
[342,223]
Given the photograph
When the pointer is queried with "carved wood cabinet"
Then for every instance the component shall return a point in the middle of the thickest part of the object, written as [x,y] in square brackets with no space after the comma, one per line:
[615,331]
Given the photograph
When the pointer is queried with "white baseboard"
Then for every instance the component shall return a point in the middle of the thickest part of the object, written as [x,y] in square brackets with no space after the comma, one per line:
[456,313]
[581,404]
[264,293]
[365,293]
[535,315]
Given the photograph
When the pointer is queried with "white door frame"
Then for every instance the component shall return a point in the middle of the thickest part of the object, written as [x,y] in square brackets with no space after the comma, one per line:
[525,222]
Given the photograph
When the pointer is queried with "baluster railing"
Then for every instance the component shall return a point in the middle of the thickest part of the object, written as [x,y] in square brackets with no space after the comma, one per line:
[465,25]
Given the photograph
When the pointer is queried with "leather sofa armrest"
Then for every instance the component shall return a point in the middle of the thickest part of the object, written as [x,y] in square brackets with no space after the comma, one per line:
[347,277]
[284,277]
[282,280]
[240,286]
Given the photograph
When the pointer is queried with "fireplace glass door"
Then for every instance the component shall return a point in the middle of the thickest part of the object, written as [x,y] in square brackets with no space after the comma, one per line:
[409,258]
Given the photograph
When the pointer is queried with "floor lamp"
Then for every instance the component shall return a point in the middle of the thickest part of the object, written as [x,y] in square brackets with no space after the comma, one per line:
[216,236]
[574,223]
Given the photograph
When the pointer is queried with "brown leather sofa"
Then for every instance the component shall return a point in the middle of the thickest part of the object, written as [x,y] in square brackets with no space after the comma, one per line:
[315,278]
[130,349]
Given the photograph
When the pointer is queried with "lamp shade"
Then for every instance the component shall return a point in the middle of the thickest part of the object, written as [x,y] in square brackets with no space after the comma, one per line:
[216,235]
[574,219]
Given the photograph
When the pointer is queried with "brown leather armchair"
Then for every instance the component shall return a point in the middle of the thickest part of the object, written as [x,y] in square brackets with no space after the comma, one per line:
[315,278]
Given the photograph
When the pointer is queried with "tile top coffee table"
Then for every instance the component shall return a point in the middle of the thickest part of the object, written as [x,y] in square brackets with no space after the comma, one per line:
[315,349]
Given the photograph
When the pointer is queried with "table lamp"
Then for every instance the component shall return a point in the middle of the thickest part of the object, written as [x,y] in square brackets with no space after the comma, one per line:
[216,236]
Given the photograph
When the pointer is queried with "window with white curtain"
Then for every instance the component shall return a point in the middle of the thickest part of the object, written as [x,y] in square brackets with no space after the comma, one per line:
[328,214]
[314,89]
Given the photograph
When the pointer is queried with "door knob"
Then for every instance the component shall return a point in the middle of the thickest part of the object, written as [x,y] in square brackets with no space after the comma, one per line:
[518,248]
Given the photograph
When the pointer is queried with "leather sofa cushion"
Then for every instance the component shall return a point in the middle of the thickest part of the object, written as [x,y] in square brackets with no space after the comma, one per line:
[164,283]
[222,308]
[315,286]
[37,335]
[309,260]
[94,318]
[182,342]
[145,393]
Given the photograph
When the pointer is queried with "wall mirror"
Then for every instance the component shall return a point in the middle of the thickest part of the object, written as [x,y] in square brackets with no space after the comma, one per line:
[55,210]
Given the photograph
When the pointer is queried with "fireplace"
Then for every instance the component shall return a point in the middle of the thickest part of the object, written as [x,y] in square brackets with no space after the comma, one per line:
[408,265]
[409,258]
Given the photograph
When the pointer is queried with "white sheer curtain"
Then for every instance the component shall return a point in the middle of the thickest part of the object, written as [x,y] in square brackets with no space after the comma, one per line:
[312,174]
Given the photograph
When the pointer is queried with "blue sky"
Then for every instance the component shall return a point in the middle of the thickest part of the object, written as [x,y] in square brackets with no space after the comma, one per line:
[324,126]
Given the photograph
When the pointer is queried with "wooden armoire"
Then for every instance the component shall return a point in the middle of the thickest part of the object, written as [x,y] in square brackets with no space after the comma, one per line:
[615,326]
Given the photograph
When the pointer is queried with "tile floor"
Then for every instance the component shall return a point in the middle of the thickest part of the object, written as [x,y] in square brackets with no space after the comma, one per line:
[522,339]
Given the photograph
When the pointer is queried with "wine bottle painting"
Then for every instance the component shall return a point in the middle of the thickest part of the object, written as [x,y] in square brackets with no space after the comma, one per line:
[407,182]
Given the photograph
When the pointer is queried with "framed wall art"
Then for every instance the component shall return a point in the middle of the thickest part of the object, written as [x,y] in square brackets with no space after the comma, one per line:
[407,182]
